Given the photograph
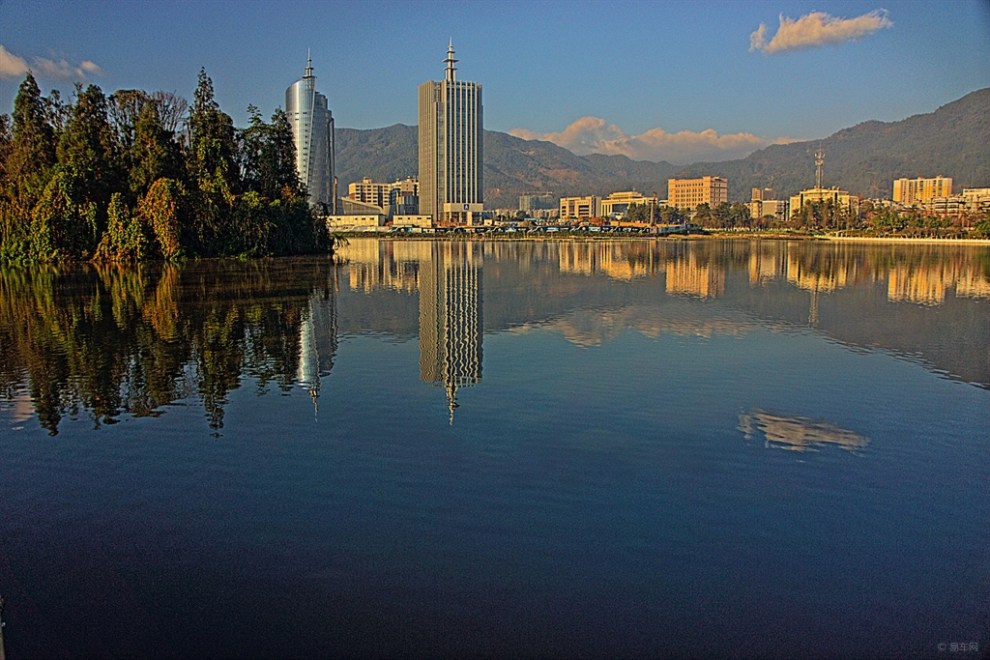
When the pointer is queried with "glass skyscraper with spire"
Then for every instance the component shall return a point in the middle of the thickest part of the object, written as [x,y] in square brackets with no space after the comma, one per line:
[313,133]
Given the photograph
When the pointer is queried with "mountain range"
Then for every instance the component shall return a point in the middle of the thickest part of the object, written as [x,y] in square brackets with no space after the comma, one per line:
[865,159]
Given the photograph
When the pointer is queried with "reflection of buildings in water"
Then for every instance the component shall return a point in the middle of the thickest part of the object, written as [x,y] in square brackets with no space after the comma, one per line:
[578,258]
[450,317]
[689,277]
[972,284]
[809,279]
[765,266]
[797,433]
[927,284]
[620,261]
[374,264]
[317,343]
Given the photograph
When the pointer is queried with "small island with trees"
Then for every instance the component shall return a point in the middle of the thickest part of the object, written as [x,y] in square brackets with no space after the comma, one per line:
[138,176]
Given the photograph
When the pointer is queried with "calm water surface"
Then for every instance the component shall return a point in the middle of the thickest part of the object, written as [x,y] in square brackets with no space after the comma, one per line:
[571,449]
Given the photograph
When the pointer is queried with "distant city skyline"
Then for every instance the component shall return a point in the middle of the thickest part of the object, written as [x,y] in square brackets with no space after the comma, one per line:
[682,82]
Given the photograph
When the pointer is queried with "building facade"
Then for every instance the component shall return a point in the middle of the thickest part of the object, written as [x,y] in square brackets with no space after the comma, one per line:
[840,199]
[580,208]
[397,198]
[687,194]
[369,192]
[313,133]
[617,204]
[451,149]
[919,191]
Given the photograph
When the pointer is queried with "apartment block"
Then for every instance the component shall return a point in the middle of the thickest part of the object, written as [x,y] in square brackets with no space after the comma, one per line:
[919,191]
[687,194]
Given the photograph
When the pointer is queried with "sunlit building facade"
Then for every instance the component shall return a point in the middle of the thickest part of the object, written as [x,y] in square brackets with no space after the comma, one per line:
[451,152]
[580,208]
[313,133]
[839,199]
[617,204]
[688,194]
[919,191]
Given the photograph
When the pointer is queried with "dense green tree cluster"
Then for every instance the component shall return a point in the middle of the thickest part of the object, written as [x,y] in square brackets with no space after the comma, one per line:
[137,176]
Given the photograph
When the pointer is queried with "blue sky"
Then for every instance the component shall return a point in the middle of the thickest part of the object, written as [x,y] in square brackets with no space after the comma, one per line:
[680,81]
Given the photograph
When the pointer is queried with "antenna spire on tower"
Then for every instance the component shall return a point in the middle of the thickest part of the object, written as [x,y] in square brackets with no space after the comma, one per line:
[819,166]
[309,65]
[450,61]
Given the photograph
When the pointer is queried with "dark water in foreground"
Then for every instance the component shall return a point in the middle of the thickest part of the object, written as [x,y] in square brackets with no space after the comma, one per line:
[586,449]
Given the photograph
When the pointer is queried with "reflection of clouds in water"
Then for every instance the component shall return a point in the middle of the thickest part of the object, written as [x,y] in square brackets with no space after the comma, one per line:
[797,433]
[21,409]
[590,328]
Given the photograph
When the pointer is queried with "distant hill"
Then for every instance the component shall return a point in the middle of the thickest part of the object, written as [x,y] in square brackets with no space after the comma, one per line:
[865,159]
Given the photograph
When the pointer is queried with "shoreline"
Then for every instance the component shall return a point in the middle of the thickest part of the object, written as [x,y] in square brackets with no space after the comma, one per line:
[749,236]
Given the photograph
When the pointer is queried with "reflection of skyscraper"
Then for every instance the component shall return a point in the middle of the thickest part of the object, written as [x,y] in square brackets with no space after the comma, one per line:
[450,149]
[312,132]
[317,341]
[450,318]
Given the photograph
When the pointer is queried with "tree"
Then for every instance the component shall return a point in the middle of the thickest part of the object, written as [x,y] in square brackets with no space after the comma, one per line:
[161,209]
[125,238]
[62,226]
[154,153]
[32,147]
[212,148]
[86,147]
[268,156]
[124,107]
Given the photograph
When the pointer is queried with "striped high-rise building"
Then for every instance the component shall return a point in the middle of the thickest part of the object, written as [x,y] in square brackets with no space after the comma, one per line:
[451,153]
[312,131]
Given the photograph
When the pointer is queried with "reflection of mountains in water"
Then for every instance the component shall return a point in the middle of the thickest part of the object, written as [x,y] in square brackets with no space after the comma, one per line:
[797,433]
[927,303]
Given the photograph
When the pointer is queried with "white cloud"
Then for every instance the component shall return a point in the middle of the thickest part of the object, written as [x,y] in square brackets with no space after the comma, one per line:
[11,66]
[817,29]
[589,135]
[14,66]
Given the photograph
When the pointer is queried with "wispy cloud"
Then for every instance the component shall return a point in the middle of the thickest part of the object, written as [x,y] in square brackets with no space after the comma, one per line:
[817,29]
[589,135]
[14,66]
[11,66]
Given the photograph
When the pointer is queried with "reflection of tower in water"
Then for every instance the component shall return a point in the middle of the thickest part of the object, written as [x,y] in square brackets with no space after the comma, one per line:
[318,341]
[450,319]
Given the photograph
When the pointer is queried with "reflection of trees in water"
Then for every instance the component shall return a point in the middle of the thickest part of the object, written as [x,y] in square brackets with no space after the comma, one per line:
[109,340]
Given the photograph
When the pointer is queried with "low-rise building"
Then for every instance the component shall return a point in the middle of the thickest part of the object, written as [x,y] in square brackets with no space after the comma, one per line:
[412,221]
[841,199]
[617,204]
[580,208]
[976,199]
[537,202]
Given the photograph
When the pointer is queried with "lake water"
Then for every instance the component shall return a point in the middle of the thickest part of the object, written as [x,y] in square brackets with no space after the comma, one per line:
[510,448]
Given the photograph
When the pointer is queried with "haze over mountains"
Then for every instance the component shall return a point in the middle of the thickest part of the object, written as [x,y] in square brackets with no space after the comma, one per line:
[864,159]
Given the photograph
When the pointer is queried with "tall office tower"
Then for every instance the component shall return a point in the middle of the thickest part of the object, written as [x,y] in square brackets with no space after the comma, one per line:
[451,187]
[312,131]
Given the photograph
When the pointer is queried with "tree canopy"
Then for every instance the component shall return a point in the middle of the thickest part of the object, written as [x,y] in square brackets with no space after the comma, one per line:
[138,176]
